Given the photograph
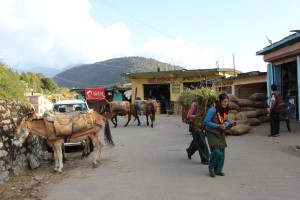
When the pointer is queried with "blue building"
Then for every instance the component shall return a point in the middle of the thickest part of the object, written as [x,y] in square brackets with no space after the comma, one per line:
[283,58]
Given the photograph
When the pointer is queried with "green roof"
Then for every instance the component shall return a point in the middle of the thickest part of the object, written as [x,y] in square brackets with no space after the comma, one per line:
[184,71]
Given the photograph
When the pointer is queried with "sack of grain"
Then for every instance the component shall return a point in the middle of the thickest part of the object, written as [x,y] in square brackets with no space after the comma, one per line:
[261,104]
[233,112]
[262,112]
[231,116]
[245,103]
[246,109]
[232,98]
[239,129]
[264,119]
[258,97]
[254,121]
[242,121]
[241,116]
[233,106]
[250,114]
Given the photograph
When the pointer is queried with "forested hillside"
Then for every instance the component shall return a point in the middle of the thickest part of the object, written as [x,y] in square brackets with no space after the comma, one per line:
[108,73]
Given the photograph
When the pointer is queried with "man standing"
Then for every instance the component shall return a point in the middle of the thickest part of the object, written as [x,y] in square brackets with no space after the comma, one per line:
[274,115]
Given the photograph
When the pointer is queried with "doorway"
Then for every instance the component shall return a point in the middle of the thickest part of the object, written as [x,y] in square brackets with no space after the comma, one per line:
[161,92]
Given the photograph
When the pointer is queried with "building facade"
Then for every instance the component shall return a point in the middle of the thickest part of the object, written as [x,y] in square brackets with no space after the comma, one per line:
[167,86]
[283,58]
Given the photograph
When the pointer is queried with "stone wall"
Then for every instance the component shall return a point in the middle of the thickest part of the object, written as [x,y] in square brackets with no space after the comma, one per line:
[14,159]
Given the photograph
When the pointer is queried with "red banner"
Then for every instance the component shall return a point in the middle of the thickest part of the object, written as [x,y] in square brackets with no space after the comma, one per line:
[94,93]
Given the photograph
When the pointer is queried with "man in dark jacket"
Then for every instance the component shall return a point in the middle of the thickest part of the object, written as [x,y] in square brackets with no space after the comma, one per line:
[274,116]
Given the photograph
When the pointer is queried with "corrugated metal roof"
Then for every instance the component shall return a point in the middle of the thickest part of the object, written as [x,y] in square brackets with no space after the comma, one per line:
[182,71]
[242,76]
[284,42]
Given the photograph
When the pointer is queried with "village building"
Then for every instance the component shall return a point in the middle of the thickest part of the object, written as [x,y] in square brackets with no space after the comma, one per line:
[283,58]
[243,85]
[167,86]
[39,102]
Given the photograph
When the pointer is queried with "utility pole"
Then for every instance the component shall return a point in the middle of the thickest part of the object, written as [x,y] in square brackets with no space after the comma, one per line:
[233,65]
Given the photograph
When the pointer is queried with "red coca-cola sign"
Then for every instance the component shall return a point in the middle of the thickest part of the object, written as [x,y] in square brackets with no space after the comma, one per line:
[94,93]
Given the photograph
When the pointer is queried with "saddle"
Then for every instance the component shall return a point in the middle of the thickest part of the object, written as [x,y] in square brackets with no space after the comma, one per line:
[67,123]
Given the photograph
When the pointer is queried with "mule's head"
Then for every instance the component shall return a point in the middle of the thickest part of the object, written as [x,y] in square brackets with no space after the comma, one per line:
[21,133]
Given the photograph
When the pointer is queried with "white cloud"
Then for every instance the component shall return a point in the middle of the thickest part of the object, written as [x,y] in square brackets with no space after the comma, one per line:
[176,51]
[57,33]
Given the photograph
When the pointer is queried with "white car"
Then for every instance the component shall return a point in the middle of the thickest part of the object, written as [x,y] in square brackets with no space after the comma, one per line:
[68,106]
[71,106]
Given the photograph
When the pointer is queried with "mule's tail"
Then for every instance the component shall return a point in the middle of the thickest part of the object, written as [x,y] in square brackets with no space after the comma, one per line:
[107,135]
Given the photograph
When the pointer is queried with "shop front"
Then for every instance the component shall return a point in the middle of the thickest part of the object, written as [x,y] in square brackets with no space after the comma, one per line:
[167,86]
[283,59]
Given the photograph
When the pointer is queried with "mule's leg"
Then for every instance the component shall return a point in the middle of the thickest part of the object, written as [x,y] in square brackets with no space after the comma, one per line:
[129,118]
[98,149]
[147,120]
[114,123]
[55,157]
[64,152]
[151,117]
[58,160]
[138,119]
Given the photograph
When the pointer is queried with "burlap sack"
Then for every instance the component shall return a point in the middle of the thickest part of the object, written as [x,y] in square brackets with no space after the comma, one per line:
[254,121]
[264,119]
[242,121]
[233,112]
[232,98]
[231,116]
[233,106]
[63,124]
[247,109]
[262,112]
[250,114]
[116,106]
[258,97]
[241,116]
[245,103]
[239,129]
[261,104]
[82,122]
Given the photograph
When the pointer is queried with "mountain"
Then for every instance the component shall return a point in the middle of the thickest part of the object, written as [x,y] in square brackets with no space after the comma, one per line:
[50,72]
[108,73]
[47,72]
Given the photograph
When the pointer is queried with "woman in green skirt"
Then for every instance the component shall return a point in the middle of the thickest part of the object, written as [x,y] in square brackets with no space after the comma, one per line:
[216,121]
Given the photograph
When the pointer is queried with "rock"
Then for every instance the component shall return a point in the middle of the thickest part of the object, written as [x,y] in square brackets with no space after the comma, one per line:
[33,161]
[3,153]
[4,175]
[38,177]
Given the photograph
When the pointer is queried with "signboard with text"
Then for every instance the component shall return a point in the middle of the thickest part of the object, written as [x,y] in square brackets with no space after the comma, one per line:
[94,93]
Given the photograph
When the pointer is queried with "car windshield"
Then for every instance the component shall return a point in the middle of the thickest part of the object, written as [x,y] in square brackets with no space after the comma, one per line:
[70,107]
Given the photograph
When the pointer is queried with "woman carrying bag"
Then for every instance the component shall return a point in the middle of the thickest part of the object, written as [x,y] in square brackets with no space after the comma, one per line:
[216,121]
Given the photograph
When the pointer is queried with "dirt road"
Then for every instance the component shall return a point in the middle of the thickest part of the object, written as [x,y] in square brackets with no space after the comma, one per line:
[152,164]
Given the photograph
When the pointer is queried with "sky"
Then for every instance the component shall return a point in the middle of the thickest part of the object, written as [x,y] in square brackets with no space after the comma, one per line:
[194,34]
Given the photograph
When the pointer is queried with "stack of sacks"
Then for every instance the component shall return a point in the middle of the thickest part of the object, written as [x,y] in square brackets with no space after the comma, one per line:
[238,120]
[261,106]
[247,107]
[234,108]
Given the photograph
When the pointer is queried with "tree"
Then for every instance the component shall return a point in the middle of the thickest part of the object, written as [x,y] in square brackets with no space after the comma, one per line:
[49,84]
[11,87]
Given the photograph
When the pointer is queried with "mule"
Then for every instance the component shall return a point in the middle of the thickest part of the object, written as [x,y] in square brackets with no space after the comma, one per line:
[122,108]
[149,108]
[45,129]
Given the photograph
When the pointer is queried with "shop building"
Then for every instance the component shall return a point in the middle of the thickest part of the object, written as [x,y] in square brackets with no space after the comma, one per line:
[283,69]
